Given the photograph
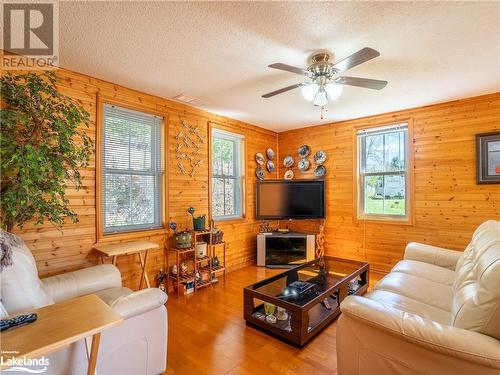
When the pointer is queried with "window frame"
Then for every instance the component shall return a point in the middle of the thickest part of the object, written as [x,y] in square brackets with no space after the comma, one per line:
[359,176]
[101,235]
[238,165]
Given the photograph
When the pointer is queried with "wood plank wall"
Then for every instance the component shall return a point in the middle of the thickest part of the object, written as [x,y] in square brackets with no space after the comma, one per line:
[448,204]
[61,251]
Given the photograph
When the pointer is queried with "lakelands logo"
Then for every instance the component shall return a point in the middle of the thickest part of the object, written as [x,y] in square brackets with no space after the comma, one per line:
[30,34]
[23,364]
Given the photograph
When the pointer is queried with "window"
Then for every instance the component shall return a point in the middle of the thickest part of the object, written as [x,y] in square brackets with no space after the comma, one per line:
[383,172]
[227,175]
[131,170]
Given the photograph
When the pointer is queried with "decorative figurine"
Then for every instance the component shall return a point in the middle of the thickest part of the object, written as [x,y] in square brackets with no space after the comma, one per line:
[173,225]
[198,277]
[281,314]
[174,270]
[161,280]
[184,268]
[265,227]
[215,262]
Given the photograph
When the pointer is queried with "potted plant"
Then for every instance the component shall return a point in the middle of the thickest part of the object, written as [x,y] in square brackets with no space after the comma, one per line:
[199,221]
[43,145]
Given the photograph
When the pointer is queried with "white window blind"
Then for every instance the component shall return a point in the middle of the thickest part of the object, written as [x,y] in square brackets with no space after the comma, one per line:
[227,175]
[131,170]
[383,172]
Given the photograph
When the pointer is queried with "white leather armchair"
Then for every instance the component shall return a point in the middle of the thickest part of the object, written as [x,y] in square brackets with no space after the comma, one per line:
[436,312]
[137,346]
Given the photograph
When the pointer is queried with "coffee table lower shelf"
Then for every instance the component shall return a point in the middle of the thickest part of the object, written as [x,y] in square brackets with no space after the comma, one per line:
[304,321]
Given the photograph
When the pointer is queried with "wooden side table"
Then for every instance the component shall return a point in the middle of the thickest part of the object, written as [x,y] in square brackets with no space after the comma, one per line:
[126,248]
[58,326]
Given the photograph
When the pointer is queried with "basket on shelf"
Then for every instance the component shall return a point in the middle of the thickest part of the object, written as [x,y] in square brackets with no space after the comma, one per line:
[216,237]
[183,240]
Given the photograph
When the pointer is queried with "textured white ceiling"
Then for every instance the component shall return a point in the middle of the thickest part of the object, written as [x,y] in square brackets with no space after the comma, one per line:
[219,51]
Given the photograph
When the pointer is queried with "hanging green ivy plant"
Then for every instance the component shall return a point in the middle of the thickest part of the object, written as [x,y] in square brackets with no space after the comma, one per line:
[43,145]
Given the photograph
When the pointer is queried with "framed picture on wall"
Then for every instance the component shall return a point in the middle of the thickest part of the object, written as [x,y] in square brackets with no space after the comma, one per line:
[488,158]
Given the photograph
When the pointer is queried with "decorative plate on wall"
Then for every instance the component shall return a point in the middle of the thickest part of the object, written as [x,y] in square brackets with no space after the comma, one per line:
[270,166]
[288,174]
[288,161]
[320,157]
[259,172]
[304,151]
[320,171]
[259,158]
[303,164]
[270,153]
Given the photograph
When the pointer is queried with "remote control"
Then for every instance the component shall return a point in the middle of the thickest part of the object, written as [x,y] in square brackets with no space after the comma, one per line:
[17,321]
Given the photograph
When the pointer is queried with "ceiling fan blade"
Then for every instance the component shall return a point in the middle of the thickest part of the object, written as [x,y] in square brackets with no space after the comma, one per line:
[355,59]
[289,68]
[374,84]
[284,89]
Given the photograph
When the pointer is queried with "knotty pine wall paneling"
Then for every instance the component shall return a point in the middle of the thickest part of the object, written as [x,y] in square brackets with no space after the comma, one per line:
[240,234]
[448,204]
[58,251]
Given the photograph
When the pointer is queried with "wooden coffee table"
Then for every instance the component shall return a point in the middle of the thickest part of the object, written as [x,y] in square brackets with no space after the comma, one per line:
[310,294]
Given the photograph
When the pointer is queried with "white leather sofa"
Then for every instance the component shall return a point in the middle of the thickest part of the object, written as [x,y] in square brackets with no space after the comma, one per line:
[436,312]
[138,346]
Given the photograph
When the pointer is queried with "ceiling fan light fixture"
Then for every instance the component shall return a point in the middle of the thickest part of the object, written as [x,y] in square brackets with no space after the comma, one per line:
[334,90]
[321,98]
[309,91]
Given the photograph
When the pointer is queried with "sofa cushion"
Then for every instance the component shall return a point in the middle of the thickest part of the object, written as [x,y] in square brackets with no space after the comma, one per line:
[403,303]
[476,288]
[426,271]
[21,288]
[417,288]
[81,282]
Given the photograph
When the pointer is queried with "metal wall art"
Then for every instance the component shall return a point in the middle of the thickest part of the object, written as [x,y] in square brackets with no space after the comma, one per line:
[188,147]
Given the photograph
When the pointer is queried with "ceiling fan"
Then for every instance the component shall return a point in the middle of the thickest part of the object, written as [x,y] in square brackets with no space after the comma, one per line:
[325,82]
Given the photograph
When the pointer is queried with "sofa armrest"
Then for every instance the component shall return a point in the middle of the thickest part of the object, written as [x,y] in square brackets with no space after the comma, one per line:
[139,302]
[81,282]
[451,341]
[432,254]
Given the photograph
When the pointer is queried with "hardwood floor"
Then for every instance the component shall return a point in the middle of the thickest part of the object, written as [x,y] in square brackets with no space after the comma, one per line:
[207,335]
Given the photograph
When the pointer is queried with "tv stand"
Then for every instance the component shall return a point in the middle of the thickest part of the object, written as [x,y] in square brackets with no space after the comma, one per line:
[284,250]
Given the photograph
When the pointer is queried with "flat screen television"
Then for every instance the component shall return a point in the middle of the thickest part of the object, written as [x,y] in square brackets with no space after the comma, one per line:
[290,199]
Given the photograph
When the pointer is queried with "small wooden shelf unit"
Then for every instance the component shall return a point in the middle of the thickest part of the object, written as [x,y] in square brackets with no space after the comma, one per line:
[204,263]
